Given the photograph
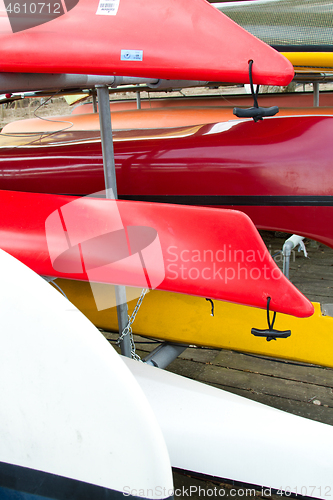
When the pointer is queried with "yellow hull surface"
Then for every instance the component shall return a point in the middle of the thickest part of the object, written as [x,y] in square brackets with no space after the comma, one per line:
[187,319]
[311,62]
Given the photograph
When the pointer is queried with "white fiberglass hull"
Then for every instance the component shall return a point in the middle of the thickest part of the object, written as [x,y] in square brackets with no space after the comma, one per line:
[69,406]
[219,434]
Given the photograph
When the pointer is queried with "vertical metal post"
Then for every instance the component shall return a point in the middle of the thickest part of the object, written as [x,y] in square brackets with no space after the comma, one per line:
[94,101]
[111,183]
[138,99]
[315,94]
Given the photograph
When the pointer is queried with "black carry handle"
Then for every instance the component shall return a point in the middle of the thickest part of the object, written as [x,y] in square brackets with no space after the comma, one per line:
[271,334]
[255,113]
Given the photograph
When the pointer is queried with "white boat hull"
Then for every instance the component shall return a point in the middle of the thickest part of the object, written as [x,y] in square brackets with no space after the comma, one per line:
[72,412]
[219,434]
[73,421]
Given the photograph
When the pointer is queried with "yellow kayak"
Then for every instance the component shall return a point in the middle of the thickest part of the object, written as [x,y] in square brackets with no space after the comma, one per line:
[301,31]
[187,319]
[311,62]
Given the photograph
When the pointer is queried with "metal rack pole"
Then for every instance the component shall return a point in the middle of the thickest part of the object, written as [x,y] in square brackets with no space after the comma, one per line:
[111,183]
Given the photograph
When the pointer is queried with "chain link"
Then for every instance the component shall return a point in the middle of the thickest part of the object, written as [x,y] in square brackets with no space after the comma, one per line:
[128,328]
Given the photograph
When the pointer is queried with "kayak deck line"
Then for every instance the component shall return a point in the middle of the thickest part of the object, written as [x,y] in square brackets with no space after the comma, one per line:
[235,200]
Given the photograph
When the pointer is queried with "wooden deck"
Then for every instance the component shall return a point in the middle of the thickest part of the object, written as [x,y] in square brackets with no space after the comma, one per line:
[301,389]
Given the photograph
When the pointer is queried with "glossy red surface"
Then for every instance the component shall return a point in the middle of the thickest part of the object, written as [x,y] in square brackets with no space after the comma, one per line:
[280,156]
[279,171]
[167,40]
[200,251]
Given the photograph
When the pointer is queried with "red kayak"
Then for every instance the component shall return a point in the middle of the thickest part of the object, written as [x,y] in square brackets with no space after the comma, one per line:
[198,251]
[278,171]
[135,119]
[145,38]
[281,99]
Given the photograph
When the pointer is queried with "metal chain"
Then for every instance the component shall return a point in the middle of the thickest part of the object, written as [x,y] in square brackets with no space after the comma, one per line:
[128,328]
[51,280]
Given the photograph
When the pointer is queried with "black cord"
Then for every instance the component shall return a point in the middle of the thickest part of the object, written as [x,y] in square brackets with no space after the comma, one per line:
[212,304]
[270,325]
[254,93]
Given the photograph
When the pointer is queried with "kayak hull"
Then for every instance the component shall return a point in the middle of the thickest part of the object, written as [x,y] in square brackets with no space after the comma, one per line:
[279,171]
[165,116]
[57,372]
[281,99]
[143,244]
[127,40]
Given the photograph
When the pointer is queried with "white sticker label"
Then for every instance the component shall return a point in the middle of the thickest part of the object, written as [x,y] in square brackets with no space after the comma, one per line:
[131,55]
[107,7]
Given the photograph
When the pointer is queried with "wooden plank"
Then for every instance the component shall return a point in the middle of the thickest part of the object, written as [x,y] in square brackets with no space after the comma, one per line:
[320,413]
[198,487]
[275,368]
[271,386]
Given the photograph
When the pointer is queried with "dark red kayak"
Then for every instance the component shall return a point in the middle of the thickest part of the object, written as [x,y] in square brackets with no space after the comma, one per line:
[278,171]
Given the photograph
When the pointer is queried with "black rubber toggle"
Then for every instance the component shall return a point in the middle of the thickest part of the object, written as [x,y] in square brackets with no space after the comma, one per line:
[256,112]
[270,333]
